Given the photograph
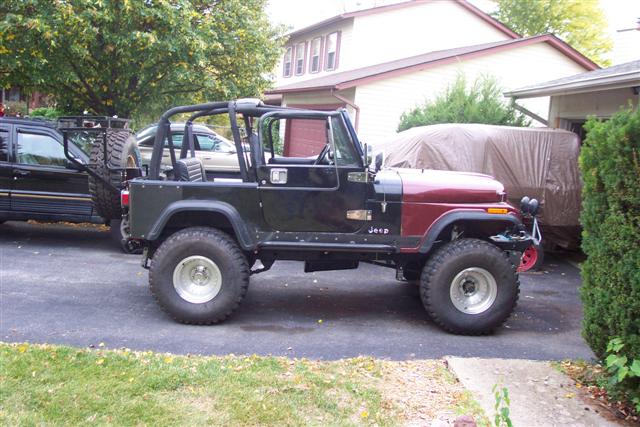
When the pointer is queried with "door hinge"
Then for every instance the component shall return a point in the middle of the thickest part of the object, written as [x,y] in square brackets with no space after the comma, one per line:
[357,177]
[359,215]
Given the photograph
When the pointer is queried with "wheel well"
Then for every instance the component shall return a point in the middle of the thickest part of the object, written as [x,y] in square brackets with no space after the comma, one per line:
[470,229]
[186,219]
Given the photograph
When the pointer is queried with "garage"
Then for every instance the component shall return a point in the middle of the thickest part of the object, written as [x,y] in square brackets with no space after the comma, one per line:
[305,138]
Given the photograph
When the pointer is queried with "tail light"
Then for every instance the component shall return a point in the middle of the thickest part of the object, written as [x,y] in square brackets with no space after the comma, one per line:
[124,198]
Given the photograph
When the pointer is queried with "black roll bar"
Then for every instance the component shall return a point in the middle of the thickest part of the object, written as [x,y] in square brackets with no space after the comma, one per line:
[164,125]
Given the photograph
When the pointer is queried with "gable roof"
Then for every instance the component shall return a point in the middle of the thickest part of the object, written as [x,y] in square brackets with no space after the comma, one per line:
[622,75]
[412,3]
[351,78]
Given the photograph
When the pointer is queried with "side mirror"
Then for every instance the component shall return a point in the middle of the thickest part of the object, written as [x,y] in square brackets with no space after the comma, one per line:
[379,160]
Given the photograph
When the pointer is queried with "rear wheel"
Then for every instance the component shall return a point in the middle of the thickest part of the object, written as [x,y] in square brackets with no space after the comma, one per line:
[469,287]
[199,276]
[122,152]
[120,234]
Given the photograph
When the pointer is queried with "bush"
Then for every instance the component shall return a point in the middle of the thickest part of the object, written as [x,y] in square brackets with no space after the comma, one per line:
[610,164]
[624,374]
[480,103]
[46,112]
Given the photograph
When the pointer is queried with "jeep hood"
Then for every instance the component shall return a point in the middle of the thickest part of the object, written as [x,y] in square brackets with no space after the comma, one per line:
[435,186]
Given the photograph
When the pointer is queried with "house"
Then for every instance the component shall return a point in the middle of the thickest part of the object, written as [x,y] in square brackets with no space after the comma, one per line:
[598,93]
[382,61]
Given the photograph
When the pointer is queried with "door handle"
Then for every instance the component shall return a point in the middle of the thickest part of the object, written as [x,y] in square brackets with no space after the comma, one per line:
[19,172]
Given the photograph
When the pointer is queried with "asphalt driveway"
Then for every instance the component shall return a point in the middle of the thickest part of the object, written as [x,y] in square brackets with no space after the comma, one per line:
[71,285]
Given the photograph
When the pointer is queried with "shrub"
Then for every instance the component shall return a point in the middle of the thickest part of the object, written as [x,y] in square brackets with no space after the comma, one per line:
[46,112]
[624,374]
[482,102]
[610,164]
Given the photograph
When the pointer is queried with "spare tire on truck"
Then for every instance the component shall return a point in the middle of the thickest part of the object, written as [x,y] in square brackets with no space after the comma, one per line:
[122,152]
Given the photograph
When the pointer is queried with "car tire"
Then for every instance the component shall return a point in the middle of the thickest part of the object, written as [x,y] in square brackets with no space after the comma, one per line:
[122,152]
[469,287]
[199,276]
[120,234]
[532,259]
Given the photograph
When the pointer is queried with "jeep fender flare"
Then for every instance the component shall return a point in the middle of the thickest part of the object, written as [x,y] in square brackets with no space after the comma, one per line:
[447,219]
[230,213]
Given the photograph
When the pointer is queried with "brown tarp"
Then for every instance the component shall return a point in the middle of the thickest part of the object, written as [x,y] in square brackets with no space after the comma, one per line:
[534,162]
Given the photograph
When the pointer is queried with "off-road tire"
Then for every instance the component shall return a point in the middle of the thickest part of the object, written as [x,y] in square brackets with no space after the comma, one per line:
[122,152]
[437,280]
[120,236]
[217,246]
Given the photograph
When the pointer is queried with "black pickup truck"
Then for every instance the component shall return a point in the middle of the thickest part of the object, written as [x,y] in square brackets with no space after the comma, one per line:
[39,182]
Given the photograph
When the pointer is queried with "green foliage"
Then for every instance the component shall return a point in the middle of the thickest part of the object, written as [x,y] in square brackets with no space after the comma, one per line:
[480,103]
[624,380]
[129,57]
[610,165]
[501,417]
[46,112]
[581,23]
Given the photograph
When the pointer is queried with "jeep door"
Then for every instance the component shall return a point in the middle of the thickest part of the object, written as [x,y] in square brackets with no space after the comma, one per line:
[43,180]
[319,193]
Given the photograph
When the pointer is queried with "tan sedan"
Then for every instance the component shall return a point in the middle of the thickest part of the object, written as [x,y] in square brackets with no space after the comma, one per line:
[217,153]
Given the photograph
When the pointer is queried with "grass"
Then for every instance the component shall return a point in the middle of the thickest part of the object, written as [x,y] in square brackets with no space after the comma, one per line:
[42,384]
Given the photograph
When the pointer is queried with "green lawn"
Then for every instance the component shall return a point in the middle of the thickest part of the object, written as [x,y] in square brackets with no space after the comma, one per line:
[41,384]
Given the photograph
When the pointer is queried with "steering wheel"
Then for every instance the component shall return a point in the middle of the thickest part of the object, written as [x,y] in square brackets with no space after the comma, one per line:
[325,152]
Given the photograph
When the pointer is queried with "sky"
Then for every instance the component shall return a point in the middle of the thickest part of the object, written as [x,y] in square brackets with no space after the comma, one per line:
[621,14]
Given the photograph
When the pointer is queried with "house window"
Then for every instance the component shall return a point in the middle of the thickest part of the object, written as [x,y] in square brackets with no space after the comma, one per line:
[316,48]
[301,58]
[287,62]
[332,49]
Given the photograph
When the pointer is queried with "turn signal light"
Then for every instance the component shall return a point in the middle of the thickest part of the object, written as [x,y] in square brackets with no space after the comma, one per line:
[497,210]
[124,198]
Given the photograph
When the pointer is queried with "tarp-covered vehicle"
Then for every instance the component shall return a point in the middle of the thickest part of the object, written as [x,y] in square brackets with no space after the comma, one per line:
[536,162]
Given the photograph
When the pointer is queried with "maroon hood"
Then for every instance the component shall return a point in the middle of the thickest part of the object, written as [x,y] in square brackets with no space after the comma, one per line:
[434,186]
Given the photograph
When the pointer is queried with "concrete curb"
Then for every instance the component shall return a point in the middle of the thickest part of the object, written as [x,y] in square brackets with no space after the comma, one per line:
[539,394]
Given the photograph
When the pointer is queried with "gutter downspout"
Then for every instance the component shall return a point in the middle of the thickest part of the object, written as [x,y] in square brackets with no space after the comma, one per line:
[349,103]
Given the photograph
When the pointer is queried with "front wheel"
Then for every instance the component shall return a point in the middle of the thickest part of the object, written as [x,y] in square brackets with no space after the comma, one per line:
[199,276]
[469,287]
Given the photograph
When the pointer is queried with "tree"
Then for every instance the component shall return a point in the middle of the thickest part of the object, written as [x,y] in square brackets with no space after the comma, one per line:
[581,23]
[480,103]
[610,218]
[127,56]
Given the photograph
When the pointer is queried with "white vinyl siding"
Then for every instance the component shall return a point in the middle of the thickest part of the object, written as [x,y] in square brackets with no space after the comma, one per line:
[382,102]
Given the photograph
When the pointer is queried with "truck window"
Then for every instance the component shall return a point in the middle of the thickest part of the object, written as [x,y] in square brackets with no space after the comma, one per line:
[35,149]
[4,146]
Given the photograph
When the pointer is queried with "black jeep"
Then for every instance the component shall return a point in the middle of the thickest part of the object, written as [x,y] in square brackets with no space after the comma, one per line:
[39,181]
[452,232]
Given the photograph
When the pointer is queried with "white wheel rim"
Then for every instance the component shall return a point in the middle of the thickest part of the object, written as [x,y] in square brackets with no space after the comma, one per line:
[197,279]
[473,290]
